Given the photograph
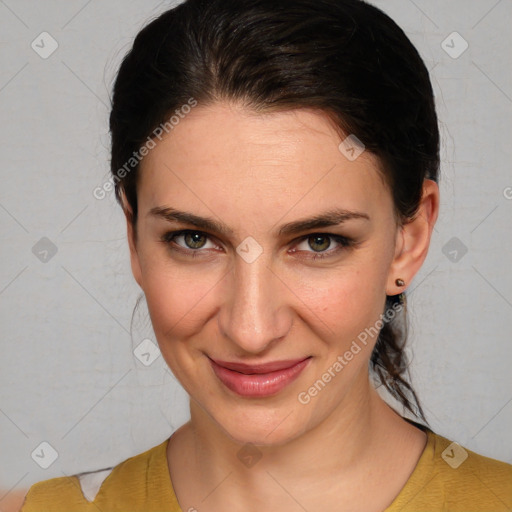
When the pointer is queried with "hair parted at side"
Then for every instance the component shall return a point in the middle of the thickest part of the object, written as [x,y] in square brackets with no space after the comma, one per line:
[343,57]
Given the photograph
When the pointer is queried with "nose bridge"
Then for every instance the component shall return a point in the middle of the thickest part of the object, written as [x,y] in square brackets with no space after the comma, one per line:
[253,315]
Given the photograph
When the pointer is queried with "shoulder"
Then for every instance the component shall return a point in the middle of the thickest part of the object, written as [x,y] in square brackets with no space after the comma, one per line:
[54,494]
[458,464]
[138,482]
[453,478]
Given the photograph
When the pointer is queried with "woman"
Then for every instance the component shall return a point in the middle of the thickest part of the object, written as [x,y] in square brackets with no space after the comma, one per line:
[277,165]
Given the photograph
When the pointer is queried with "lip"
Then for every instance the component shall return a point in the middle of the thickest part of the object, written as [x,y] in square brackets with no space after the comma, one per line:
[259,380]
[260,367]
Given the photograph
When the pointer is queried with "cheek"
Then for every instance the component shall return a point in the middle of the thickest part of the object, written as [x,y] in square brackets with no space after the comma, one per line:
[176,295]
[343,303]
[179,304]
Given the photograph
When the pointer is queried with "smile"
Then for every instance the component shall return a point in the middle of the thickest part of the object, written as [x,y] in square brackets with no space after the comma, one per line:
[258,380]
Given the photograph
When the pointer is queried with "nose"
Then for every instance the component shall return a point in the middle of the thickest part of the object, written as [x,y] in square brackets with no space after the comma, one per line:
[255,314]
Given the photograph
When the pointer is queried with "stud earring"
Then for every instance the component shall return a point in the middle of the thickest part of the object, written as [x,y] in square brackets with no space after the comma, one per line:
[400,282]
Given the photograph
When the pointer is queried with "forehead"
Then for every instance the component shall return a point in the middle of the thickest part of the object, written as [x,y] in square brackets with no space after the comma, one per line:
[227,158]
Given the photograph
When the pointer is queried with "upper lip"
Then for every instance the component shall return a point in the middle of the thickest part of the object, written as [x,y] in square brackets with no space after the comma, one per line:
[272,366]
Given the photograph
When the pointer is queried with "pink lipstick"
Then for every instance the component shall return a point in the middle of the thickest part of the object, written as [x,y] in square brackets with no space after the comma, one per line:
[258,380]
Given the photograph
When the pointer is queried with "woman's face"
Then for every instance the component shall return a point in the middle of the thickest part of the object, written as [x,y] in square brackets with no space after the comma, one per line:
[258,291]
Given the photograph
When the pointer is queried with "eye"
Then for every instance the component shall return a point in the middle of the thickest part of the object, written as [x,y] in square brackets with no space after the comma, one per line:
[192,241]
[320,242]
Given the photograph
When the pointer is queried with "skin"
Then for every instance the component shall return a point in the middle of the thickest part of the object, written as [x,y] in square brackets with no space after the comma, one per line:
[255,172]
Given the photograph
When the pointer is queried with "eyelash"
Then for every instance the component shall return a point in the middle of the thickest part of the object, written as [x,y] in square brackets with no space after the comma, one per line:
[345,243]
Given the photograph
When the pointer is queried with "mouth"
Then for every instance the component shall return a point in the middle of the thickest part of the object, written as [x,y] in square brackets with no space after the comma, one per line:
[258,380]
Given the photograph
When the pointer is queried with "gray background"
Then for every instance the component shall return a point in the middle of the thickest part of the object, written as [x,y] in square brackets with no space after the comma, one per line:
[68,373]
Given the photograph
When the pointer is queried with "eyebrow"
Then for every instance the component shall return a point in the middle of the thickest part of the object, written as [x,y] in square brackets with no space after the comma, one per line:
[331,217]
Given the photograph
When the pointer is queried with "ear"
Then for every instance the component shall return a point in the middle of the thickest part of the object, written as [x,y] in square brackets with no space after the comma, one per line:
[132,239]
[413,240]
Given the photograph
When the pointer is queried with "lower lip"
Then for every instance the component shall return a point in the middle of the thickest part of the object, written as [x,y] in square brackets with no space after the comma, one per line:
[258,385]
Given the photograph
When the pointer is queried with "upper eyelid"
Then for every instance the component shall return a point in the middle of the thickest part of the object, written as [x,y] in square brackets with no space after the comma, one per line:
[180,232]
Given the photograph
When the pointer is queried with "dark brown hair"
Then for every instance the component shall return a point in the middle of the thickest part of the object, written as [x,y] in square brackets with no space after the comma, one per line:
[345,58]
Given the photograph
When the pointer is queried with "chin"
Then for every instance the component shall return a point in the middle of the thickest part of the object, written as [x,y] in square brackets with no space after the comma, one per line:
[259,427]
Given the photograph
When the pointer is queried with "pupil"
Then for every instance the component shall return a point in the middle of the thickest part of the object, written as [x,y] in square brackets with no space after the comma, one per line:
[195,237]
[319,239]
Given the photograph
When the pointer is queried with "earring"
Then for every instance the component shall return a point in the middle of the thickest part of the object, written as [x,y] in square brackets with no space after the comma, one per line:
[401,296]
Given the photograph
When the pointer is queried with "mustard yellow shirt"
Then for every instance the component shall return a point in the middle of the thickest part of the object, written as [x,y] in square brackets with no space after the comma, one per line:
[446,478]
